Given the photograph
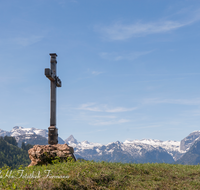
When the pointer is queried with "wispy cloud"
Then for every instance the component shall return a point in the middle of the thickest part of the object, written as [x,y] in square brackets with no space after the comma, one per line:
[13,77]
[114,56]
[105,116]
[147,126]
[100,119]
[26,41]
[104,108]
[114,122]
[5,80]
[119,31]
[172,101]
[120,109]
[22,124]
[63,2]
[92,72]
[191,113]
[96,73]
[89,107]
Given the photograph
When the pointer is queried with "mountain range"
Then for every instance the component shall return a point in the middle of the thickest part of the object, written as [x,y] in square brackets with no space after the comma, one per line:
[134,151]
[29,135]
[138,151]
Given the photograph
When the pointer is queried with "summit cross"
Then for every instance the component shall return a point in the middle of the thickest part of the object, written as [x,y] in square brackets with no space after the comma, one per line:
[55,82]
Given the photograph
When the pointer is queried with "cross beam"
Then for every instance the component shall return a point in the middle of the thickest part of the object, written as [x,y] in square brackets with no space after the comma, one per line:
[55,82]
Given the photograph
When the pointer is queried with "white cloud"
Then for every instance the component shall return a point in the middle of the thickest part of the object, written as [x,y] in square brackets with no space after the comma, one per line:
[172,101]
[103,108]
[123,56]
[119,31]
[122,32]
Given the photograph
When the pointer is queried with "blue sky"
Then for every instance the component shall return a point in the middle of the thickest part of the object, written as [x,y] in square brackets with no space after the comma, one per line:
[129,69]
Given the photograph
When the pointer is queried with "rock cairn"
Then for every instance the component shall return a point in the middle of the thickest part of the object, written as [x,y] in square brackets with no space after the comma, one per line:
[44,154]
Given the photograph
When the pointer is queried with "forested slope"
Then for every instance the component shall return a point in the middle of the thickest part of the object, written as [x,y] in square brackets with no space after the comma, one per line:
[11,154]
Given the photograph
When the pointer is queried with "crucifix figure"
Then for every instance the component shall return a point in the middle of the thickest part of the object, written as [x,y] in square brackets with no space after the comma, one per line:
[55,82]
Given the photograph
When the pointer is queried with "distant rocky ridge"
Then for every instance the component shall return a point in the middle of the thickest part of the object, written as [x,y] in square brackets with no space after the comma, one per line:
[192,156]
[191,145]
[188,141]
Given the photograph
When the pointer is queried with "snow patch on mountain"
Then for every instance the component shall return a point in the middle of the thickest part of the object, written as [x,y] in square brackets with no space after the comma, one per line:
[18,130]
[168,145]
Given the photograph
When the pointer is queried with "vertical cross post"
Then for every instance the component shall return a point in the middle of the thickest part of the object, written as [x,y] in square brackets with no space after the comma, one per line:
[55,82]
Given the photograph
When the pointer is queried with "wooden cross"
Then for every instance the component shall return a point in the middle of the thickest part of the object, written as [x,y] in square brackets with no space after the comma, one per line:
[55,82]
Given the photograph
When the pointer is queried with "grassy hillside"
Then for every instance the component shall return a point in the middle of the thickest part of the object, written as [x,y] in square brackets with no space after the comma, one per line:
[102,175]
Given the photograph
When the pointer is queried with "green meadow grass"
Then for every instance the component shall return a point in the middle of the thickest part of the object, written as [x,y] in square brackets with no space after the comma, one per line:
[101,175]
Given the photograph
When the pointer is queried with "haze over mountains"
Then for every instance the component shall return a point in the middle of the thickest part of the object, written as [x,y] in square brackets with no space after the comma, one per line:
[138,151]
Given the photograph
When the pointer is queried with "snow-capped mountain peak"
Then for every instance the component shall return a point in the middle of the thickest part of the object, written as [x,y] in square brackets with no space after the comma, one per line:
[71,139]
